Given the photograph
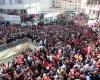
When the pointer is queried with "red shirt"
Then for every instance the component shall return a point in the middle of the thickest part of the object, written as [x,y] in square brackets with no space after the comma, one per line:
[45,78]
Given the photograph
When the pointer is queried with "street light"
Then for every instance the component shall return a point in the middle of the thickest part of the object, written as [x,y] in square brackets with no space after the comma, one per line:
[30,5]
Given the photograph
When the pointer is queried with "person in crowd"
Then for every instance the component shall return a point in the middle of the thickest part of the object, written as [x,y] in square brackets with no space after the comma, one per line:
[65,52]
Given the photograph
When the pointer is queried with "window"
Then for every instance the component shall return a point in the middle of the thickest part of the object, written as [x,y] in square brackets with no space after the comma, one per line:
[10,1]
[2,2]
[70,1]
[18,1]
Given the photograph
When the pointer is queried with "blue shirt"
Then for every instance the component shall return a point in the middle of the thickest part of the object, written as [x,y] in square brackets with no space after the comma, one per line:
[88,78]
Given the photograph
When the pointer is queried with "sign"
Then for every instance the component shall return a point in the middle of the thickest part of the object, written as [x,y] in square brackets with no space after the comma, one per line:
[13,19]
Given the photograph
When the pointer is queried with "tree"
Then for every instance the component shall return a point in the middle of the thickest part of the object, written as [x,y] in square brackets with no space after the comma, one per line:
[61,20]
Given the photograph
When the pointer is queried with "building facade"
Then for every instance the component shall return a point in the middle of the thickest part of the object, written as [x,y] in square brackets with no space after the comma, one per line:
[37,6]
[91,8]
[73,5]
[66,5]
[31,6]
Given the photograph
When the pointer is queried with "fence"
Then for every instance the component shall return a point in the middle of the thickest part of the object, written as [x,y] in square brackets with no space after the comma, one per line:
[13,44]
[16,47]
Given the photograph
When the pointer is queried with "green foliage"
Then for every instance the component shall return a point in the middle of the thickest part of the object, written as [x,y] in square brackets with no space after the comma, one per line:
[61,21]
[41,18]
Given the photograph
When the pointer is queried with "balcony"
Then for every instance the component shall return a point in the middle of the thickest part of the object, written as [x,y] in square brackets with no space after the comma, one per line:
[94,7]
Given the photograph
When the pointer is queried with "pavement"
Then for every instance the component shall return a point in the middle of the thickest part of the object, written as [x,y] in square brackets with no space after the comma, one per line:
[9,54]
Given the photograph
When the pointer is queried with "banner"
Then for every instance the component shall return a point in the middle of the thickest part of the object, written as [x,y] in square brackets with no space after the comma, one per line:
[13,19]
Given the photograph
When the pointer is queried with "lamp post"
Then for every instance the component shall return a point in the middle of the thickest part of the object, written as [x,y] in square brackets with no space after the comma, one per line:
[30,5]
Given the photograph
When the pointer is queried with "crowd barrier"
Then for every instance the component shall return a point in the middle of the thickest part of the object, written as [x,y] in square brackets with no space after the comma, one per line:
[11,50]
[12,44]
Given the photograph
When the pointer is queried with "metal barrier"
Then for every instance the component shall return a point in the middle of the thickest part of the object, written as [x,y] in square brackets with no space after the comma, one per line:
[12,44]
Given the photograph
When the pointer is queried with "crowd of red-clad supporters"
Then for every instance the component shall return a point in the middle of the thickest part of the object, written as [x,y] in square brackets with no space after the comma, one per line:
[67,52]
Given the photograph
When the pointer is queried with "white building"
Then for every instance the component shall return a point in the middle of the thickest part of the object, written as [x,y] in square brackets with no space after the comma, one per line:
[91,8]
[67,5]
[37,6]
[56,4]
[31,6]
[71,5]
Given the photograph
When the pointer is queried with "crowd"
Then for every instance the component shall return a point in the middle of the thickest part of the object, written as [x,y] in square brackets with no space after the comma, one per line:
[68,52]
